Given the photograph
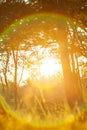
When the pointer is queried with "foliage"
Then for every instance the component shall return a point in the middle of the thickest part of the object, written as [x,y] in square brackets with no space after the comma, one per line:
[21,49]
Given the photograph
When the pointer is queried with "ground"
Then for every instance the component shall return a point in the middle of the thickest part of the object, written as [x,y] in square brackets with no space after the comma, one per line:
[10,121]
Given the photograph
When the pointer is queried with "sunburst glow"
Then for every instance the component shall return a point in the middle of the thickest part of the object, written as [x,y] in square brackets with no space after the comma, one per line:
[49,67]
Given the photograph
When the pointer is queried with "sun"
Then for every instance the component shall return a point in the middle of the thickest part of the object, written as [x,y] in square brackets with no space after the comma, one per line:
[48,73]
[50,67]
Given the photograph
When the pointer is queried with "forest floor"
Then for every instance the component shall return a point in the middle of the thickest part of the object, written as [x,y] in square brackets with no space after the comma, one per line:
[10,121]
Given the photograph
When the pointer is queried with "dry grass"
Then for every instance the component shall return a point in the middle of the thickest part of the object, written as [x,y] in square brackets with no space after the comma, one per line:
[10,121]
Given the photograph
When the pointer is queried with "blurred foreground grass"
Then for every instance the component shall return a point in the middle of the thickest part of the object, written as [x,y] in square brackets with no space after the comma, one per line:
[10,121]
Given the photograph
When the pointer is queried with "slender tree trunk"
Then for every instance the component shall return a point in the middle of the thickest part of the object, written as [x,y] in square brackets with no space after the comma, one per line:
[76,75]
[21,73]
[3,86]
[15,56]
[5,75]
[78,83]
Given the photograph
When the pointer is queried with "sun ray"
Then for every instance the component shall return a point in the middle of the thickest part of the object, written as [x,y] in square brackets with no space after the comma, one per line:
[49,67]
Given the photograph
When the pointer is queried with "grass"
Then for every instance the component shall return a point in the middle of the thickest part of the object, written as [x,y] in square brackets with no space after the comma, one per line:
[10,121]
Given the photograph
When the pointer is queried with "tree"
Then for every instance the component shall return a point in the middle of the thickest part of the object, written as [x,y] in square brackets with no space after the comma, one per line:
[4,60]
[69,57]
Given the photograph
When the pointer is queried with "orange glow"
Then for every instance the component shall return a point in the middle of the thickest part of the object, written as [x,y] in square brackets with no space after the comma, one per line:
[49,67]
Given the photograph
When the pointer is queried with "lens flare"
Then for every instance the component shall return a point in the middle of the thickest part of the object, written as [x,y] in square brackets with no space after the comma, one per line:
[49,67]
[37,29]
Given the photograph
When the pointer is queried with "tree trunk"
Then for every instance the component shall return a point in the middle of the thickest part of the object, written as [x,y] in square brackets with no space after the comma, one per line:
[71,85]
[15,57]
[5,75]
